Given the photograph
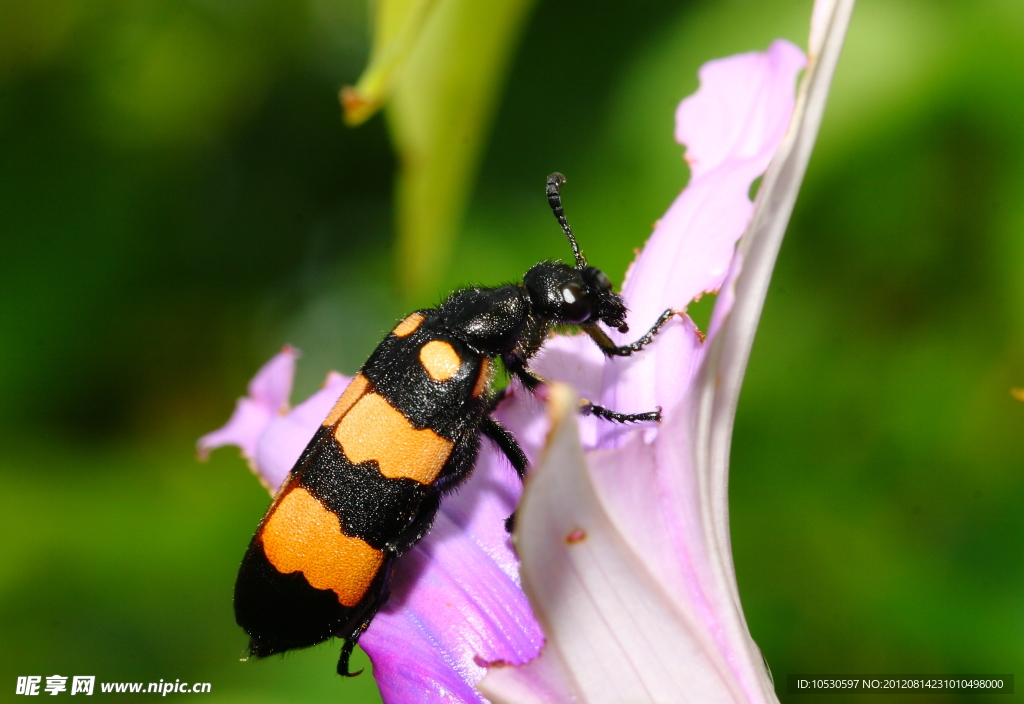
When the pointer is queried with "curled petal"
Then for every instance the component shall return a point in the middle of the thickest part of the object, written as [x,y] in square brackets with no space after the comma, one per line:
[717,390]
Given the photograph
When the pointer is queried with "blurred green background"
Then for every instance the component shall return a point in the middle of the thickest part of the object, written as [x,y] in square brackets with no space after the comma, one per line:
[179,198]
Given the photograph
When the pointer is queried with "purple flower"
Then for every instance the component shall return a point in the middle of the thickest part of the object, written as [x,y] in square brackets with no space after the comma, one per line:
[622,531]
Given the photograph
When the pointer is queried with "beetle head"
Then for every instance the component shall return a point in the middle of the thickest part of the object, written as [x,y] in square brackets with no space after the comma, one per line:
[574,295]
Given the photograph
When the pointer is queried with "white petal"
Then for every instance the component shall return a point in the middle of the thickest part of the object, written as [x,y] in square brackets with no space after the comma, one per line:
[617,631]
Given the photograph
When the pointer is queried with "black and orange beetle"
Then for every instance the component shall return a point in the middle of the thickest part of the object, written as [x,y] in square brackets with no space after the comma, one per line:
[404,433]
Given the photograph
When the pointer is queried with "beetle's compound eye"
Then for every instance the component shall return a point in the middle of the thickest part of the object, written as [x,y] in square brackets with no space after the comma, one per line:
[602,281]
[575,306]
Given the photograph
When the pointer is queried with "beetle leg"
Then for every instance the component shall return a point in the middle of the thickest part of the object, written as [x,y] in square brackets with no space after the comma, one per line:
[517,368]
[506,442]
[379,596]
[418,526]
[610,349]
[589,409]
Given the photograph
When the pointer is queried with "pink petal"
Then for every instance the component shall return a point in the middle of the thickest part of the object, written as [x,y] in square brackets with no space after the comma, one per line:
[741,111]
[731,127]
[574,359]
[272,385]
[269,392]
[285,437]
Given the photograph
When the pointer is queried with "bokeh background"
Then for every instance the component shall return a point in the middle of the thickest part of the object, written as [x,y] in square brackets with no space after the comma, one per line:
[179,198]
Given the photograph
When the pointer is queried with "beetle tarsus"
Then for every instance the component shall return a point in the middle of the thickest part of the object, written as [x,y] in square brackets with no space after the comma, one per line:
[610,349]
[590,409]
[346,653]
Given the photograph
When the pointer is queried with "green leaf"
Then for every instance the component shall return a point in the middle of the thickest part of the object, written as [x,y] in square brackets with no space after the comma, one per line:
[439,64]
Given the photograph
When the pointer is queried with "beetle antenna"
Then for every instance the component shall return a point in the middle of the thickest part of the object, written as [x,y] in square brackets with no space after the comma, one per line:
[555,182]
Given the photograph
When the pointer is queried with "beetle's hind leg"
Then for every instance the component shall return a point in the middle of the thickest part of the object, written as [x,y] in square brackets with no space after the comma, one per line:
[352,639]
[346,653]
[380,591]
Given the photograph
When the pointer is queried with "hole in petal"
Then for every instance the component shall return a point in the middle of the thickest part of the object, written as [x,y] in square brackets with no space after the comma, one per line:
[700,310]
[576,536]
[755,186]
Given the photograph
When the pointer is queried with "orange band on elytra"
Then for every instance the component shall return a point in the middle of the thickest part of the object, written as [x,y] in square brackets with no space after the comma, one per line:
[301,535]
[374,430]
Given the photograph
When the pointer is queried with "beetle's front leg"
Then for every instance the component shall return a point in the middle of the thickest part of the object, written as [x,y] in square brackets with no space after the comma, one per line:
[612,350]
[516,366]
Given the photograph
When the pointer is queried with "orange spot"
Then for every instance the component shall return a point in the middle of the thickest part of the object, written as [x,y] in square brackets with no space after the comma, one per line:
[353,392]
[440,360]
[303,536]
[483,381]
[1017,394]
[374,430]
[408,326]
[576,536]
